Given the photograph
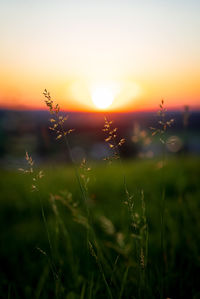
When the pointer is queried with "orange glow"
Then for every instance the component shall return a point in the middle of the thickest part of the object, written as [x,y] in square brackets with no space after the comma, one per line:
[139,51]
[23,90]
[20,92]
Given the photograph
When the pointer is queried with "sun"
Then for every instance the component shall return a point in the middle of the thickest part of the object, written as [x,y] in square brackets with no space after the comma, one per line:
[102,97]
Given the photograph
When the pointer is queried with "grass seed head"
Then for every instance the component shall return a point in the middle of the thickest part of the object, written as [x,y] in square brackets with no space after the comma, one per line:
[30,170]
[111,139]
[163,123]
[57,120]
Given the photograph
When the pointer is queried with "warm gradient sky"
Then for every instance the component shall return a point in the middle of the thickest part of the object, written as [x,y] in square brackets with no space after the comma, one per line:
[140,50]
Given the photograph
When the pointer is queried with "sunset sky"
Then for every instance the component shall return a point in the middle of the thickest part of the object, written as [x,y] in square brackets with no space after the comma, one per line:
[132,52]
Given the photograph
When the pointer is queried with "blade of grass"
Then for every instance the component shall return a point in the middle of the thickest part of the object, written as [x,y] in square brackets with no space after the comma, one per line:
[123,282]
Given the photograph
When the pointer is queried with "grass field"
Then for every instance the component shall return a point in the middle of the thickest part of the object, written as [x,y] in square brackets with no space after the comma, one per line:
[109,246]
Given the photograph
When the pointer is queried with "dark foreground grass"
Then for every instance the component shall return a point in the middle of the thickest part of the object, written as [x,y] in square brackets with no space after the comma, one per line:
[101,251]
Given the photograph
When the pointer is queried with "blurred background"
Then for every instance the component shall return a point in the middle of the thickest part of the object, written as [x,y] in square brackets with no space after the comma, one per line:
[100,59]
[22,131]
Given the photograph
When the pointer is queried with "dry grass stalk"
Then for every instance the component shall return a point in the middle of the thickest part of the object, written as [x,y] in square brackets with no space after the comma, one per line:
[57,120]
[30,170]
[111,138]
[163,123]
[84,173]
[186,115]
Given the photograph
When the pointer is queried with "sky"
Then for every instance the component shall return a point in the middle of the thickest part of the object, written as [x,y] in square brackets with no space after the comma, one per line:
[139,51]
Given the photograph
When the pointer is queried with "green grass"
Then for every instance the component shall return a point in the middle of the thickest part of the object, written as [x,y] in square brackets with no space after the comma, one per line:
[65,266]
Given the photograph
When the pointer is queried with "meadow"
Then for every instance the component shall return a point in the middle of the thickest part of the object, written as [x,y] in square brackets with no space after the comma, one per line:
[124,241]
[99,177]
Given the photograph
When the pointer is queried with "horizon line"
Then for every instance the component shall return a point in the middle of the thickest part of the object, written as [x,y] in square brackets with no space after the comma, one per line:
[147,110]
